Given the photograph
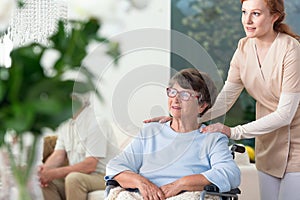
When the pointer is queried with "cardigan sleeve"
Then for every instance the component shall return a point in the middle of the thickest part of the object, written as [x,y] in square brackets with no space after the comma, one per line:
[282,116]
[291,67]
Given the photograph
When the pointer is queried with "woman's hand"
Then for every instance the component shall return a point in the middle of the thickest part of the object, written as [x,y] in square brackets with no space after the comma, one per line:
[161,119]
[150,191]
[218,127]
[171,189]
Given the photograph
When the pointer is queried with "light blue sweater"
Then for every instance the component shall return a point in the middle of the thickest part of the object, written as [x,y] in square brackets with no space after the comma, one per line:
[162,155]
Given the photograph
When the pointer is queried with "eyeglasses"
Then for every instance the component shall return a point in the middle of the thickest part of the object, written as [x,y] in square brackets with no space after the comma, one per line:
[184,95]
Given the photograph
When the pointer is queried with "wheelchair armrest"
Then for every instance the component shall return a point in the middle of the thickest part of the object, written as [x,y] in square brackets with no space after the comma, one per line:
[110,184]
[214,188]
[211,188]
[234,191]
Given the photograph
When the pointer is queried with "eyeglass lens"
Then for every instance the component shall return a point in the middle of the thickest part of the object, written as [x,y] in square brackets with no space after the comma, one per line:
[184,95]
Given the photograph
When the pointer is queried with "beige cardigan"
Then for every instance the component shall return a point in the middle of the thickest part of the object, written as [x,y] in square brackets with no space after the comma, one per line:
[277,152]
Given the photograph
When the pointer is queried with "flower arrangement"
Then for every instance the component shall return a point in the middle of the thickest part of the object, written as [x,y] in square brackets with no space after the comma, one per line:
[34,91]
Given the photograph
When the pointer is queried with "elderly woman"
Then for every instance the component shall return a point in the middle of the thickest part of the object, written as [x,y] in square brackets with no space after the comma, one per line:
[166,159]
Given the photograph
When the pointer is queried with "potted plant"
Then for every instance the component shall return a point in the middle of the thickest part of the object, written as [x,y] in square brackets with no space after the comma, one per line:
[33,96]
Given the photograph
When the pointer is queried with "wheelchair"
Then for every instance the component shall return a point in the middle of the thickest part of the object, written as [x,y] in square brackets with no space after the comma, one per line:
[211,189]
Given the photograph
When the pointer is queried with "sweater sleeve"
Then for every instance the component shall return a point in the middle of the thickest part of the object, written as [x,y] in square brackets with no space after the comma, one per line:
[129,160]
[224,172]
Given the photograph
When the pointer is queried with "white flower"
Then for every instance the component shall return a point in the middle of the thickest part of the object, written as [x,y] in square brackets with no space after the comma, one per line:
[5,48]
[7,8]
[28,139]
[50,56]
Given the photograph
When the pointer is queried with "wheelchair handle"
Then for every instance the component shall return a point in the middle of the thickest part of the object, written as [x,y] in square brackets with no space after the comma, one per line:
[238,148]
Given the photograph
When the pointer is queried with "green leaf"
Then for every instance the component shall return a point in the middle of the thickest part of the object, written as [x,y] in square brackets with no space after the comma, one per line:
[114,51]
[20,3]
[3,83]
[19,117]
[58,39]
[2,133]
[2,90]
[25,70]
[90,29]
[30,100]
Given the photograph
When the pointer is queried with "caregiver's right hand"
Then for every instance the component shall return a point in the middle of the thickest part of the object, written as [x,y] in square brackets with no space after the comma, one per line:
[217,127]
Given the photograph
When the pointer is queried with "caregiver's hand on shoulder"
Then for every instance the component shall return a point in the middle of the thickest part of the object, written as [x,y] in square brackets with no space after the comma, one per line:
[218,127]
[161,119]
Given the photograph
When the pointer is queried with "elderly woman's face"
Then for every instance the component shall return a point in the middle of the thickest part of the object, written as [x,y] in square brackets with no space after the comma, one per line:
[181,108]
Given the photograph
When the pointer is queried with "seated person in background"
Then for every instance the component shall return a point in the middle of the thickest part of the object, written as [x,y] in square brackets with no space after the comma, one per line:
[167,159]
[83,141]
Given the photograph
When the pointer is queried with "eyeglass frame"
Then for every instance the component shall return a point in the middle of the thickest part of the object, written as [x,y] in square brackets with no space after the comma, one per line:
[181,92]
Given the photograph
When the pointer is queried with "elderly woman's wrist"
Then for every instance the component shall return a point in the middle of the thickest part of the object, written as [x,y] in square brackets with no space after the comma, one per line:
[141,182]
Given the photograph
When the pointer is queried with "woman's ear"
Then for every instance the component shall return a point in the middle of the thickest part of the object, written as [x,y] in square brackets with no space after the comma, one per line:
[275,17]
[202,107]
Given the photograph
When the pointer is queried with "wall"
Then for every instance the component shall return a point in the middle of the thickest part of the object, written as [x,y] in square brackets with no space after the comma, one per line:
[134,90]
